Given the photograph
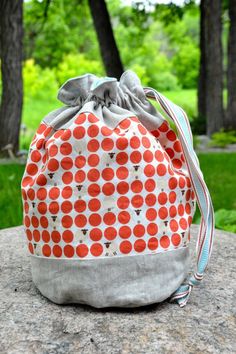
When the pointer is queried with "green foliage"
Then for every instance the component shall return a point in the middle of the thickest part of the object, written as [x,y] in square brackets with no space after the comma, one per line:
[186,64]
[74,65]
[45,38]
[195,141]
[40,92]
[226,220]
[150,59]
[183,43]
[167,50]
[223,138]
[161,45]
[38,82]
[158,67]
[198,125]
[169,14]
[165,81]
[10,201]
[68,28]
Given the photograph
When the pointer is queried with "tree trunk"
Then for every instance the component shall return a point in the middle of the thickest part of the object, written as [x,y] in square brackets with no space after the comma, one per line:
[108,48]
[202,70]
[214,67]
[231,73]
[11,44]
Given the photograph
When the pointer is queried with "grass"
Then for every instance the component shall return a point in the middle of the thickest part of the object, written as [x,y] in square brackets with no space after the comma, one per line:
[10,200]
[219,170]
[187,99]
[34,110]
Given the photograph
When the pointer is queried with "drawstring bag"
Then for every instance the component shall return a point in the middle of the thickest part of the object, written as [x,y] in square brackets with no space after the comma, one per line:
[109,194]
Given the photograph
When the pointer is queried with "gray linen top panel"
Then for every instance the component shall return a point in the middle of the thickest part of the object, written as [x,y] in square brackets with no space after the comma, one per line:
[110,100]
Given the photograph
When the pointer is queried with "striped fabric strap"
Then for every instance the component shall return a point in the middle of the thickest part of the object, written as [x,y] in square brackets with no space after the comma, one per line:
[206,230]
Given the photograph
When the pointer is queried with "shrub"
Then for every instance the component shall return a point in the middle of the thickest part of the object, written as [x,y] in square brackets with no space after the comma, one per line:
[155,72]
[223,138]
[75,65]
[165,81]
[38,82]
[226,220]
[198,125]
[195,141]
[148,55]
[186,64]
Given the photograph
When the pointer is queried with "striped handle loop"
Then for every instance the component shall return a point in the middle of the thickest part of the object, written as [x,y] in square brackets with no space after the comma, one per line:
[206,230]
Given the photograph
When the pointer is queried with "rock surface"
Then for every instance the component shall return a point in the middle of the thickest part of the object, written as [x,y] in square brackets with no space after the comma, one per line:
[29,323]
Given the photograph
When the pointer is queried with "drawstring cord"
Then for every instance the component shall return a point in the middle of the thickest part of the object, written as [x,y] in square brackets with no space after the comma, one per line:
[206,230]
[98,101]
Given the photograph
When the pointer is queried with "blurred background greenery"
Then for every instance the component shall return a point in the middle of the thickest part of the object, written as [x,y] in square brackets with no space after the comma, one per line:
[159,40]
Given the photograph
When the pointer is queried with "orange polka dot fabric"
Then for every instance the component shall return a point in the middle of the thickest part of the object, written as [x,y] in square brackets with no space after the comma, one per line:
[90,191]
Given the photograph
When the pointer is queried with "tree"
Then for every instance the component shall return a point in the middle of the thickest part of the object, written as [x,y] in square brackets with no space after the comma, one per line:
[211,71]
[202,69]
[108,48]
[231,72]
[48,23]
[11,43]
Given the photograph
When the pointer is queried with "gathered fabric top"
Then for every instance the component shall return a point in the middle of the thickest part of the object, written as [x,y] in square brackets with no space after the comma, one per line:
[110,99]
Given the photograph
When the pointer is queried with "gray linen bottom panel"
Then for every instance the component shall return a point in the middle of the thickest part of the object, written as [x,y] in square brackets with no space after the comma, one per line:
[128,281]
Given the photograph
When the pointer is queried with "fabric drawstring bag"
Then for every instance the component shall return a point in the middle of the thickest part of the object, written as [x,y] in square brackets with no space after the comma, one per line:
[109,194]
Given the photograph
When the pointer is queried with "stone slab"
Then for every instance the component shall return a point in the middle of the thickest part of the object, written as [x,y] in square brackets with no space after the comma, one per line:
[29,323]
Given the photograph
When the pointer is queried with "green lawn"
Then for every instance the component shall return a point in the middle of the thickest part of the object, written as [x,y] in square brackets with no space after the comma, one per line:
[34,110]
[187,99]
[219,170]
[10,195]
